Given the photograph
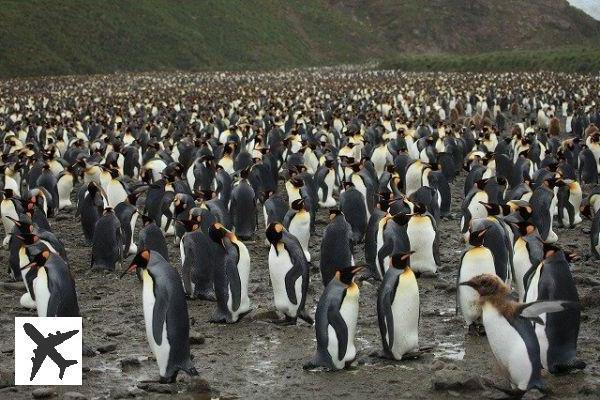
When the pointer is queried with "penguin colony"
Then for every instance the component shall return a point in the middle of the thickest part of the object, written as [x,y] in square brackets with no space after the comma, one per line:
[379,153]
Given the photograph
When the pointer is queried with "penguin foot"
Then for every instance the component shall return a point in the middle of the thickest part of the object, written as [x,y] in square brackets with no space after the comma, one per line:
[567,367]
[512,393]
[192,371]
[303,315]
[476,330]
[287,321]
[170,379]
[208,296]
[413,355]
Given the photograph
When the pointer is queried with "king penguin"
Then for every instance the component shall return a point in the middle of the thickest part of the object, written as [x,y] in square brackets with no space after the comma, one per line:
[151,237]
[335,321]
[165,314]
[336,246]
[289,272]
[398,308]
[197,260]
[107,245]
[297,222]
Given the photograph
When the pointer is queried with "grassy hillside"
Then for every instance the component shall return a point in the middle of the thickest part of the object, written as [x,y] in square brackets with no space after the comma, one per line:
[52,37]
[568,59]
[49,37]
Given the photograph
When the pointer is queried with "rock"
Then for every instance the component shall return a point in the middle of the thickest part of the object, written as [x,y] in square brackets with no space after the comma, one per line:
[12,286]
[7,378]
[107,348]
[459,381]
[199,386]
[87,350]
[74,396]
[120,393]
[590,389]
[112,333]
[437,365]
[157,387]
[130,362]
[43,393]
[533,394]
[196,339]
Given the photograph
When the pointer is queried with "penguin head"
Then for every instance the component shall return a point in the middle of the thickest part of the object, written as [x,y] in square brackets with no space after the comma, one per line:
[496,209]
[146,219]
[114,173]
[486,285]
[348,185]
[37,254]
[297,183]
[524,227]
[419,208]
[476,237]
[401,260]
[28,238]
[402,218]
[298,204]
[480,184]
[274,233]
[8,193]
[140,261]
[218,233]
[346,275]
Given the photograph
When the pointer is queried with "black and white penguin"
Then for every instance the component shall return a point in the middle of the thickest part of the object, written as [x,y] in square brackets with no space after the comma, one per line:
[336,246]
[544,203]
[52,284]
[569,198]
[507,321]
[421,230]
[127,213]
[90,206]
[231,276]
[66,181]
[398,308]
[353,206]
[335,322]
[474,261]
[326,180]
[116,190]
[242,207]
[107,244]
[48,181]
[198,261]
[289,272]
[528,252]
[557,333]
[473,206]
[595,236]
[10,207]
[165,314]
[297,222]
[151,237]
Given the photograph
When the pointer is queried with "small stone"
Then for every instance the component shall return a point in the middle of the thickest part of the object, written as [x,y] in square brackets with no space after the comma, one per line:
[43,393]
[437,365]
[157,388]
[197,339]
[120,393]
[455,380]
[107,348]
[198,385]
[74,396]
[7,379]
[113,333]
[130,362]
[533,394]
[590,389]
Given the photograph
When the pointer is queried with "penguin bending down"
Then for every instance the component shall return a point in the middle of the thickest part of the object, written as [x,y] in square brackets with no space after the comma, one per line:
[398,308]
[289,271]
[107,245]
[510,332]
[335,322]
[232,273]
[165,314]
[297,222]
[475,261]
[557,335]
[50,282]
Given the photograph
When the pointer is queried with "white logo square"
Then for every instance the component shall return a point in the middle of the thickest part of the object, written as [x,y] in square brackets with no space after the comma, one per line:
[48,350]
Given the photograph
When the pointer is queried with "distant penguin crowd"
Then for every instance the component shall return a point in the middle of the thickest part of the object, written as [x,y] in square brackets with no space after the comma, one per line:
[213,161]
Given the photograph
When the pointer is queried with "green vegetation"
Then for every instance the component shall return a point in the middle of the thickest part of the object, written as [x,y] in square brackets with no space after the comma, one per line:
[55,37]
[567,59]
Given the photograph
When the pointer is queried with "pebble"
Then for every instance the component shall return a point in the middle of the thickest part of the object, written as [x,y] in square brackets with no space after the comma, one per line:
[460,381]
[43,393]
[129,362]
[107,348]
[157,388]
[113,333]
[74,396]
[197,339]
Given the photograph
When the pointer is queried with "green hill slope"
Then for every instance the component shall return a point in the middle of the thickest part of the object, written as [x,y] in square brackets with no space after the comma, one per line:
[48,37]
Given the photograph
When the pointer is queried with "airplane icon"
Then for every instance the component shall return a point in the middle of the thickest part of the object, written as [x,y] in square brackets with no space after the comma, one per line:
[46,347]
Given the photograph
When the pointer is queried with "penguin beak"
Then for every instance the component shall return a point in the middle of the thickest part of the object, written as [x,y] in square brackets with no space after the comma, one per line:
[30,265]
[129,270]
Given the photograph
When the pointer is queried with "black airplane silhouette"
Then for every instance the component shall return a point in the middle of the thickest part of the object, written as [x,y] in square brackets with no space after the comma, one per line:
[46,347]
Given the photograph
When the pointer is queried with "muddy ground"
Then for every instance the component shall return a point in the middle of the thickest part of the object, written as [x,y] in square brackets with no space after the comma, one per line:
[257,359]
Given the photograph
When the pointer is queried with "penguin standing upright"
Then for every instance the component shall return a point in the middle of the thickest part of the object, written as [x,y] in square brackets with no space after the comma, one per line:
[507,321]
[242,208]
[90,206]
[53,284]
[165,314]
[107,245]
[48,181]
[198,261]
[398,308]
[595,236]
[128,215]
[475,261]
[10,207]
[569,199]
[289,272]
[297,222]
[64,185]
[116,190]
[353,206]
[422,233]
[544,202]
[557,335]
[336,246]
[335,321]
[528,252]
[326,178]
[231,276]
[151,237]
